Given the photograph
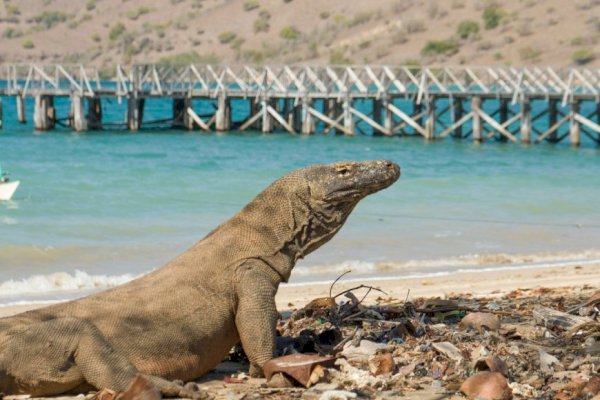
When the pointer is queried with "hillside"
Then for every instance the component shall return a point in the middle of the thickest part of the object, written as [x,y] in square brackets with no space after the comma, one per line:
[106,32]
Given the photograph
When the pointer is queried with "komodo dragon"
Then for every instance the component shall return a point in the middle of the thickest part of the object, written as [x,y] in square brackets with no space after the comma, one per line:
[181,320]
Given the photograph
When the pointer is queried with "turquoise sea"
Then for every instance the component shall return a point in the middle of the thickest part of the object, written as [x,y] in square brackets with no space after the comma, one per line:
[98,208]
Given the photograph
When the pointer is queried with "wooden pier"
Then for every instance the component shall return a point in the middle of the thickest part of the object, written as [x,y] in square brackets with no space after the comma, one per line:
[522,105]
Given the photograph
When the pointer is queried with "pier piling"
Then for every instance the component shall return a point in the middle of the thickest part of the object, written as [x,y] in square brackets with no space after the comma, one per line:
[44,114]
[476,109]
[525,121]
[181,118]
[135,112]
[457,114]
[80,122]
[21,116]
[575,129]
[307,120]
[348,117]
[430,119]
[0,112]
[223,115]
[94,113]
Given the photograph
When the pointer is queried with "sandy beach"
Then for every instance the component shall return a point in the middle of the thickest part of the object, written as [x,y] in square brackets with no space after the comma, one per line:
[486,283]
[574,277]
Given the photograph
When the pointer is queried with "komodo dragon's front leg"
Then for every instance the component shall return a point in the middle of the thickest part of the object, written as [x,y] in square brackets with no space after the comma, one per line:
[65,353]
[256,315]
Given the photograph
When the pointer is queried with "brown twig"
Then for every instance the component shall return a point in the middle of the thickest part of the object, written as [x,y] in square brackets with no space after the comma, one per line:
[341,344]
[337,279]
[356,288]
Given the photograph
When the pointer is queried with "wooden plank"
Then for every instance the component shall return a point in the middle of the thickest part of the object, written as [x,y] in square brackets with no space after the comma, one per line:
[496,125]
[356,80]
[553,128]
[196,118]
[399,85]
[331,122]
[590,124]
[251,120]
[406,119]
[369,121]
[455,125]
[279,119]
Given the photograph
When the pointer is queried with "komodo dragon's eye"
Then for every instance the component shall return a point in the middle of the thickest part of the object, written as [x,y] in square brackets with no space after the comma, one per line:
[343,170]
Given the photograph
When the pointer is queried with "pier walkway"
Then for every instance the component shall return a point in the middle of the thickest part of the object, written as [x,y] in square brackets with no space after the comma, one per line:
[527,105]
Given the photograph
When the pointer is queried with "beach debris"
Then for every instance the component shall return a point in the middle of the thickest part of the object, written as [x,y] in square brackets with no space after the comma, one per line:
[360,354]
[486,386]
[591,388]
[492,364]
[338,395]
[554,319]
[381,364]
[306,369]
[547,361]
[449,350]
[480,321]
[516,345]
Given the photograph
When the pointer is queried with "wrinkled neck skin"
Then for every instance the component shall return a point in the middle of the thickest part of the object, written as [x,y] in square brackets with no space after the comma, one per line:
[286,225]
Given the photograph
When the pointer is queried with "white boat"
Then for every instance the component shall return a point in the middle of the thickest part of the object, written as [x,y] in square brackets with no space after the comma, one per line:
[7,189]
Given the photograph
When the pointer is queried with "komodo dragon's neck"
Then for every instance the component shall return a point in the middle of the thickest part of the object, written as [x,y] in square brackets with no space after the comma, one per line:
[280,226]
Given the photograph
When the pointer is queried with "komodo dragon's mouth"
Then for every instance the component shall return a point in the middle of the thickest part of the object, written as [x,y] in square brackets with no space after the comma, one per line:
[358,180]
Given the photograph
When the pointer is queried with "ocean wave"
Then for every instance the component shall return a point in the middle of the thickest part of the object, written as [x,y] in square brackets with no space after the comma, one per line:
[8,221]
[61,282]
[63,285]
[450,264]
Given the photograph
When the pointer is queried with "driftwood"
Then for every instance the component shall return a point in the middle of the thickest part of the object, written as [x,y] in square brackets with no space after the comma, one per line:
[556,319]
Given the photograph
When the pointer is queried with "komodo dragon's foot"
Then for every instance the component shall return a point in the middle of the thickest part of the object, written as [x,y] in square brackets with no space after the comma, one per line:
[147,388]
[172,389]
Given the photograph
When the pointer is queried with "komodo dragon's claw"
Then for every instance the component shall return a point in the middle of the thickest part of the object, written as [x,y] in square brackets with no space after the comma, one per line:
[140,389]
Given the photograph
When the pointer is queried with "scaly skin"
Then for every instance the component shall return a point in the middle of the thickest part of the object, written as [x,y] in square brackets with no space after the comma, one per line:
[181,320]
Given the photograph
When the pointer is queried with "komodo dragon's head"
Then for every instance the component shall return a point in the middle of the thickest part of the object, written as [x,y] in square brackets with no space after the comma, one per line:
[333,192]
[304,209]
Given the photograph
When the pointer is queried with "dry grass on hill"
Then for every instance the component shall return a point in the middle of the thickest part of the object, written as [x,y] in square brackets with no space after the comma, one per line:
[106,32]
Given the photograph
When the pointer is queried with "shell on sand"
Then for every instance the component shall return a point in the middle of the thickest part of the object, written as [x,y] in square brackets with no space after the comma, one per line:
[487,385]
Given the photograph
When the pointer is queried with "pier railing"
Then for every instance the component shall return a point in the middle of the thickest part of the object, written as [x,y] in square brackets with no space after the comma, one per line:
[157,80]
[299,98]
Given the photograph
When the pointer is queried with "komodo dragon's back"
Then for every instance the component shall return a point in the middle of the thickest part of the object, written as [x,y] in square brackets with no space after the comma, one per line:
[179,321]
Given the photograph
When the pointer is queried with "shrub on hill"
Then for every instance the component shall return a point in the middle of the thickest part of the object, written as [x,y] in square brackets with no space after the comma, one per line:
[226,37]
[250,5]
[116,31]
[10,33]
[338,57]
[583,56]
[49,19]
[12,10]
[440,47]
[289,33]
[467,28]
[529,53]
[260,25]
[492,15]
[135,14]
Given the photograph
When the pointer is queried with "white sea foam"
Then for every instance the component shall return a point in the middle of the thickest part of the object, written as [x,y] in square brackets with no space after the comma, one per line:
[447,264]
[8,221]
[63,285]
[60,282]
